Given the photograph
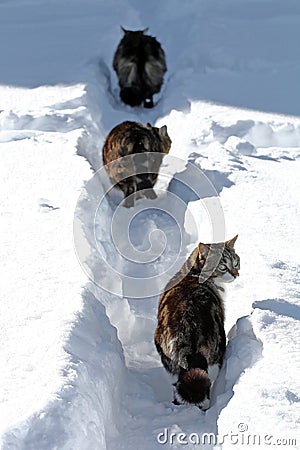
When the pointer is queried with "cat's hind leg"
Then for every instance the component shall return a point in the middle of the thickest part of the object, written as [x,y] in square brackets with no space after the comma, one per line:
[148,102]
[145,186]
[150,193]
[129,190]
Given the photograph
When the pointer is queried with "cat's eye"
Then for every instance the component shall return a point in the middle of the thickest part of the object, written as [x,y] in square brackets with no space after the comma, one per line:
[222,267]
[235,264]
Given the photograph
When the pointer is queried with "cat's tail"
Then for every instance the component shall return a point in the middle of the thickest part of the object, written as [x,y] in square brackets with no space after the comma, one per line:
[131,95]
[193,387]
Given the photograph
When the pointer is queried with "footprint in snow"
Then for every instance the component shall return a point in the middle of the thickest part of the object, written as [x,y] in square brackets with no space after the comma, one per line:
[45,206]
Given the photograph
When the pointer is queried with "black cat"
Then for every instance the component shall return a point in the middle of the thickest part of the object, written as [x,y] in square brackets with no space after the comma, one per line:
[140,65]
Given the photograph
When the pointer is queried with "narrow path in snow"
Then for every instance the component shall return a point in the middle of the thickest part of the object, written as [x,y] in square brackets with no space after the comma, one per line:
[148,393]
[115,386]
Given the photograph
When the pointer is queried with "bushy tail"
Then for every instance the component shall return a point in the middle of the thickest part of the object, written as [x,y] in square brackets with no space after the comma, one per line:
[193,386]
[131,95]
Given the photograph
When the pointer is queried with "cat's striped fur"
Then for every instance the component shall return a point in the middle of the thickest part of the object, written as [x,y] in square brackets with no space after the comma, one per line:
[190,335]
[132,155]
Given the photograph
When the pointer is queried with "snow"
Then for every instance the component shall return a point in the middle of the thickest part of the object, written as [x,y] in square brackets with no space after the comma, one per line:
[81,275]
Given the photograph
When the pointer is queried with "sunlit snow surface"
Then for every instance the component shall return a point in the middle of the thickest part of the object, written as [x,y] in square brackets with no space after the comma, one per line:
[79,368]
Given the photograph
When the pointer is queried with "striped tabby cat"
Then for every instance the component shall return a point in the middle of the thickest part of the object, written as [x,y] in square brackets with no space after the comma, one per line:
[132,155]
[190,335]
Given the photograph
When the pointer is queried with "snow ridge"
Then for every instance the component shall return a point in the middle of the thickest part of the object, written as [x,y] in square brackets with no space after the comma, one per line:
[112,372]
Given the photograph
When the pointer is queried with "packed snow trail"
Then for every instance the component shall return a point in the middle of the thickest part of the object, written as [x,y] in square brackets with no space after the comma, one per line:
[141,326]
[241,162]
[140,389]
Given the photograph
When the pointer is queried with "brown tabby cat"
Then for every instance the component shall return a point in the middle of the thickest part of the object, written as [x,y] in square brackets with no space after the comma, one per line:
[132,155]
[190,335]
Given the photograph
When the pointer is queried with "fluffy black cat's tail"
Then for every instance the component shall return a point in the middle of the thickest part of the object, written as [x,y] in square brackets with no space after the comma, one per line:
[131,95]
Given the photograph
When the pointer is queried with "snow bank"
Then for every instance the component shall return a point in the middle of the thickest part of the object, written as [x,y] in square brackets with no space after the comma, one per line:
[64,367]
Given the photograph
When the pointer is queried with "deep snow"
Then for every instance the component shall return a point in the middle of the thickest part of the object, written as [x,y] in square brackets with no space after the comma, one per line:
[79,368]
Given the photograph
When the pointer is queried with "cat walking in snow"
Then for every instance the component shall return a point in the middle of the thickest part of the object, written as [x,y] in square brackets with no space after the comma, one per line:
[132,155]
[190,335]
[140,65]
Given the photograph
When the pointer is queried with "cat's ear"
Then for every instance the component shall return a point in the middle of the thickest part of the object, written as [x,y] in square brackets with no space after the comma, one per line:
[163,131]
[123,29]
[231,242]
[145,30]
[148,125]
[203,250]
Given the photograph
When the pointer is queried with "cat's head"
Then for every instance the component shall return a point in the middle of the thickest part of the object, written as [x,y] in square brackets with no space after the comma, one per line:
[219,261]
[163,136]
